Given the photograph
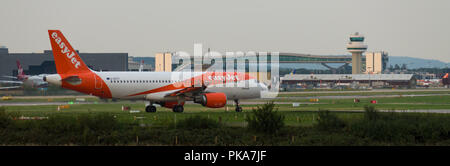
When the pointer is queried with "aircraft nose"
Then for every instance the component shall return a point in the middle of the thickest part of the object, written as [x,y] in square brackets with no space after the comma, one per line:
[263,87]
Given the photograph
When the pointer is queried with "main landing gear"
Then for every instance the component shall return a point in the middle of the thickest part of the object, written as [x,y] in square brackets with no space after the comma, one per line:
[150,108]
[178,108]
[238,108]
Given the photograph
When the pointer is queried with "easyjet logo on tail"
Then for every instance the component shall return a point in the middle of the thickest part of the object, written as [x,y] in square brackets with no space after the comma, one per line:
[70,54]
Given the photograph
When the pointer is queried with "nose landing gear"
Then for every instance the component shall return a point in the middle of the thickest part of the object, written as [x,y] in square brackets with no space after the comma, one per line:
[238,108]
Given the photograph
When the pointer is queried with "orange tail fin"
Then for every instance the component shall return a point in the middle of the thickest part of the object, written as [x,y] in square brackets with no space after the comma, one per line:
[66,58]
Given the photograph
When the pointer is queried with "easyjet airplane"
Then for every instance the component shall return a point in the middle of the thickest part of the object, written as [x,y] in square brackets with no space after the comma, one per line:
[168,89]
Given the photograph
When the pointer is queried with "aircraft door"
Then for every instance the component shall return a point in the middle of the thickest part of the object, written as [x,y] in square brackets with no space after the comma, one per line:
[98,82]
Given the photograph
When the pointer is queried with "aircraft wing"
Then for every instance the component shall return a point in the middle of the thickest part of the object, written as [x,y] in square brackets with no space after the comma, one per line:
[189,91]
[11,82]
[10,87]
[9,77]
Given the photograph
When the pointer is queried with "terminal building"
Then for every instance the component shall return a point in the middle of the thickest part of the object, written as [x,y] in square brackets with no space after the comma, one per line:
[40,63]
[354,81]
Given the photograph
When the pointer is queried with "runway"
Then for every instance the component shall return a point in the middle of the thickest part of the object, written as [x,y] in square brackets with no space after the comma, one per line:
[446,111]
[372,91]
[359,96]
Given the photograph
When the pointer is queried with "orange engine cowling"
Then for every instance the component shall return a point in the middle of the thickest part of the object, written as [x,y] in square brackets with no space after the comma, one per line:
[170,104]
[214,100]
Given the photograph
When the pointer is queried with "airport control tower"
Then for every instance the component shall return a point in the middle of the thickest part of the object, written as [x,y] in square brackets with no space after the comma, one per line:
[356,46]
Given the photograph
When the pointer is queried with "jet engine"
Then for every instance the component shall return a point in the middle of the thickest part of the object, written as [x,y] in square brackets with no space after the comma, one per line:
[212,100]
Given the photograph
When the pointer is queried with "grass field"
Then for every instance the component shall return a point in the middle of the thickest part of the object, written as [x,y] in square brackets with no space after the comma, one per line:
[95,122]
[295,116]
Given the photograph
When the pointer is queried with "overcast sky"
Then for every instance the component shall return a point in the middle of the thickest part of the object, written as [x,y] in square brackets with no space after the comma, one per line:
[413,28]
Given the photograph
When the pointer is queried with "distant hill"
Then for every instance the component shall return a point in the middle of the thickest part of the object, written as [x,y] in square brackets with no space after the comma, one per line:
[411,63]
[414,63]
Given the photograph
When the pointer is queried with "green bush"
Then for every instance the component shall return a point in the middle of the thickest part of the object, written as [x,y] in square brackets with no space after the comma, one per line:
[403,128]
[5,120]
[99,122]
[265,119]
[370,113]
[197,122]
[328,121]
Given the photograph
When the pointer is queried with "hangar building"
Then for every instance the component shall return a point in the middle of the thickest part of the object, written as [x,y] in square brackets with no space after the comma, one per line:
[39,63]
[348,80]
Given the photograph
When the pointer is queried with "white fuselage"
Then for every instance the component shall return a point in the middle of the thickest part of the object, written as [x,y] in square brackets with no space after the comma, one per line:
[125,85]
